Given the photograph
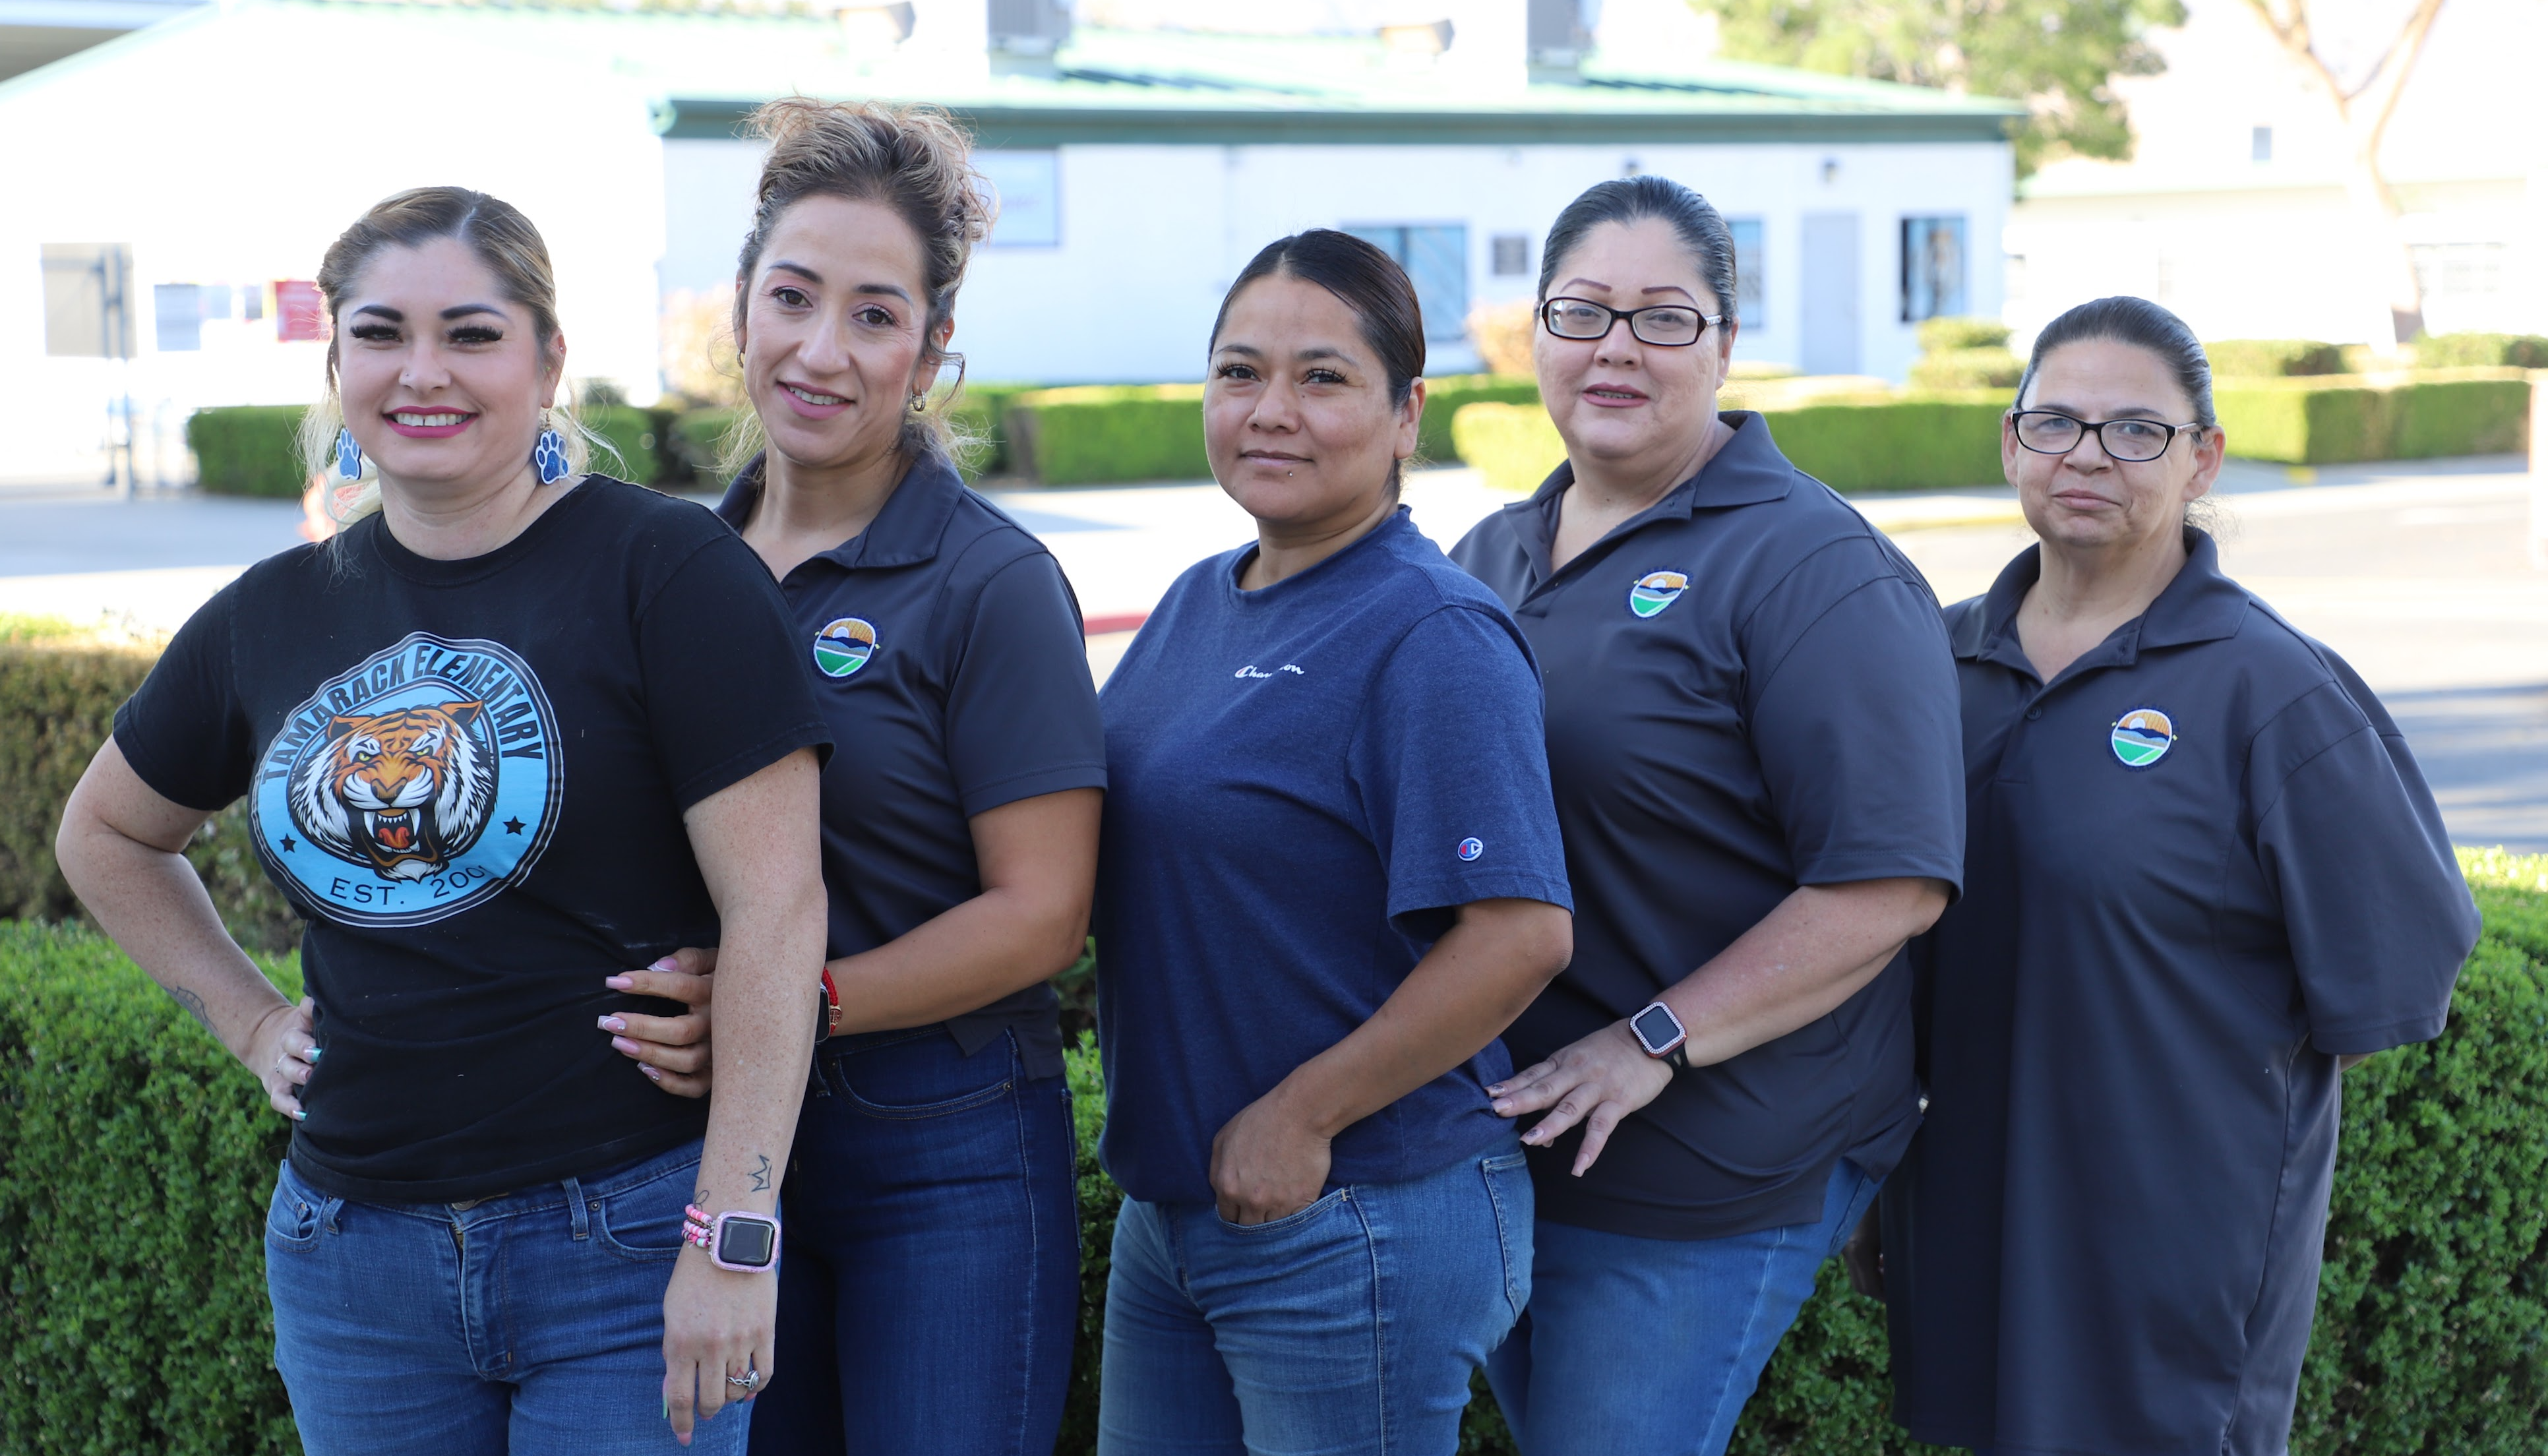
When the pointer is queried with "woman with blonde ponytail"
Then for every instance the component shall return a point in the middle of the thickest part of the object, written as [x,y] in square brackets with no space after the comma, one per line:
[513,729]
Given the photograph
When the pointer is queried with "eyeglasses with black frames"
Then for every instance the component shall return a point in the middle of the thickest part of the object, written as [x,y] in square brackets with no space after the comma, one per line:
[1665,325]
[2051,432]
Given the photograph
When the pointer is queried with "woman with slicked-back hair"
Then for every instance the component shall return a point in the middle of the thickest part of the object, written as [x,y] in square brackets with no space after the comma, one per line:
[1751,731]
[1331,877]
[931,1293]
[516,728]
[2205,878]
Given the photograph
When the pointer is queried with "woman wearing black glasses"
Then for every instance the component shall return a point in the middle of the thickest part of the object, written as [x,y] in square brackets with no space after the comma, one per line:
[2204,877]
[1752,734]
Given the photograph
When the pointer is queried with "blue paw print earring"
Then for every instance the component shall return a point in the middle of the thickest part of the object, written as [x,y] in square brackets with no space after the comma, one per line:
[550,457]
[349,456]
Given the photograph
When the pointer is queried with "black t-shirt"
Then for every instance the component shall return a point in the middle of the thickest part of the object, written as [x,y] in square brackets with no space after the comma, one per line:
[470,776]
[943,642]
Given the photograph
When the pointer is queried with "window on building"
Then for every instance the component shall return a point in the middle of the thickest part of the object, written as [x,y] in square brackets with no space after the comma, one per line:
[178,309]
[1751,303]
[2260,143]
[1933,268]
[1029,186]
[1436,259]
[1511,252]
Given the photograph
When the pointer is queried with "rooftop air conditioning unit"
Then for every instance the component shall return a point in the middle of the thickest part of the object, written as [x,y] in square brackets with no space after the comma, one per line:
[1029,27]
[1560,31]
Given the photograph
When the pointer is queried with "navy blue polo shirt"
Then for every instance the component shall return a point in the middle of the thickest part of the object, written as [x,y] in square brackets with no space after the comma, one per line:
[2203,864]
[1309,779]
[1747,691]
[945,649]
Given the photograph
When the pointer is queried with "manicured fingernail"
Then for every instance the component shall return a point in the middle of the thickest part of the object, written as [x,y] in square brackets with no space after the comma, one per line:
[299,1116]
[613,1024]
[617,982]
[313,1053]
[667,964]
[1498,1090]
[651,1074]
[624,1044]
[668,1408]
[1500,1106]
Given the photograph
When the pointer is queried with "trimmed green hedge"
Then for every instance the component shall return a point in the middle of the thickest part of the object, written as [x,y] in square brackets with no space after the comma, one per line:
[1446,397]
[1990,367]
[636,436]
[1915,442]
[150,1330]
[1095,434]
[248,450]
[1954,334]
[135,1160]
[981,412]
[58,694]
[2241,358]
[2480,350]
[2349,418]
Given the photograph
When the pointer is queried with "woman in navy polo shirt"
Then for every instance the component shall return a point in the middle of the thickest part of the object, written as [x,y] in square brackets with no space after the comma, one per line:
[1752,737]
[1331,876]
[931,1283]
[2205,876]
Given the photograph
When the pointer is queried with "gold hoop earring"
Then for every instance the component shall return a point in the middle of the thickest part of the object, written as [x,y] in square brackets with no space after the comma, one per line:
[919,403]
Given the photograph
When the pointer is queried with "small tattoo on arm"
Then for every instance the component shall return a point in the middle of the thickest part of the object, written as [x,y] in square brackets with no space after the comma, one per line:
[193,1003]
[761,1175]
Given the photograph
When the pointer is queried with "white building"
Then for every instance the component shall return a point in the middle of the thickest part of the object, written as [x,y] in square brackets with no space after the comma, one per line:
[2234,211]
[1138,171]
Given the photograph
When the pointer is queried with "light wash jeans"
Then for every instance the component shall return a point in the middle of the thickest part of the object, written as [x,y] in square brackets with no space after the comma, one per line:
[1652,1346]
[1349,1328]
[530,1325]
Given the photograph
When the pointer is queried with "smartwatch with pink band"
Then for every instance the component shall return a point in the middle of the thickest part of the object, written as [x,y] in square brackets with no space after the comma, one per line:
[747,1243]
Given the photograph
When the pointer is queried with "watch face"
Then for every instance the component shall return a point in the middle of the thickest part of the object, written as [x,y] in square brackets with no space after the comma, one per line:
[747,1241]
[1656,1027]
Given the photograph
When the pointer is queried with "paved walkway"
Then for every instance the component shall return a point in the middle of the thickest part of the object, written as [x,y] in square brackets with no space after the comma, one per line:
[2416,572]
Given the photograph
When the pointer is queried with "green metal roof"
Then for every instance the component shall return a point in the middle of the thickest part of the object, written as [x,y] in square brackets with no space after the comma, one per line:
[705,69]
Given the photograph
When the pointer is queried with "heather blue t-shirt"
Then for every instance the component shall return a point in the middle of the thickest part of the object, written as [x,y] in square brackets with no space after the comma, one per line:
[1306,781]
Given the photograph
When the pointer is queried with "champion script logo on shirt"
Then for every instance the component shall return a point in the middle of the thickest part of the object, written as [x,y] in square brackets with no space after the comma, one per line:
[1249,671]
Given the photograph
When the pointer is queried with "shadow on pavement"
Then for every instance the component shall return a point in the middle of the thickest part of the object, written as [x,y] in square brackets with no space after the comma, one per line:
[2485,751]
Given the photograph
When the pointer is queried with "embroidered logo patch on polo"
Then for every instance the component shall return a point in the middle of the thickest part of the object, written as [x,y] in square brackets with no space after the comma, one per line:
[1471,849]
[1656,590]
[2142,737]
[843,646]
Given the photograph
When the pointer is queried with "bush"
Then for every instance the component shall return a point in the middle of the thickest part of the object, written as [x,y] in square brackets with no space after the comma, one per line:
[57,700]
[2467,350]
[695,441]
[2243,358]
[2350,418]
[248,450]
[1446,397]
[1913,442]
[634,437]
[150,1331]
[132,1132]
[1095,434]
[981,412]
[1987,368]
[1949,335]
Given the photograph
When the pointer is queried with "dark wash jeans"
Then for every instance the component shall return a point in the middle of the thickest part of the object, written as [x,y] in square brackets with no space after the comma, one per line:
[527,1325]
[931,1280]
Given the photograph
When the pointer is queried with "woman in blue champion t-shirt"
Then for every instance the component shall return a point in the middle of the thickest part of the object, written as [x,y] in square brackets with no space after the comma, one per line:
[1329,875]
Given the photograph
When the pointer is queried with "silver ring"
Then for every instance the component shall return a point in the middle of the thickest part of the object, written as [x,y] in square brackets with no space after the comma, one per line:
[747,1382]
[278,1066]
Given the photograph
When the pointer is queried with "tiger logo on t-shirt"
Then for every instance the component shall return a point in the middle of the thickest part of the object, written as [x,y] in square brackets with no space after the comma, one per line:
[405,790]
[412,785]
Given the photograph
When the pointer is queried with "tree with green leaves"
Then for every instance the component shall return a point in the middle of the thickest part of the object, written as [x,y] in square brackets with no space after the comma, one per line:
[2059,56]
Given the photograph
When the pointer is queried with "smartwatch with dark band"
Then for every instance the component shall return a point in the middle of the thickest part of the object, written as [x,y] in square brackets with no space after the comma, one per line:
[1662,1035]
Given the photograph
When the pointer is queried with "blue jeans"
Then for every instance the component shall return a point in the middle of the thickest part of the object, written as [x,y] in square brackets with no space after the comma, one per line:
[1652,1346]
[1350,1327]
[932,1279]
[530,1323]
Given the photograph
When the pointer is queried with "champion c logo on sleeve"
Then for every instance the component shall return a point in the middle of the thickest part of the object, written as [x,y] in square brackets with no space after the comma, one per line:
[2142,737]
[843,646]
[1471,849]
[1656,590]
